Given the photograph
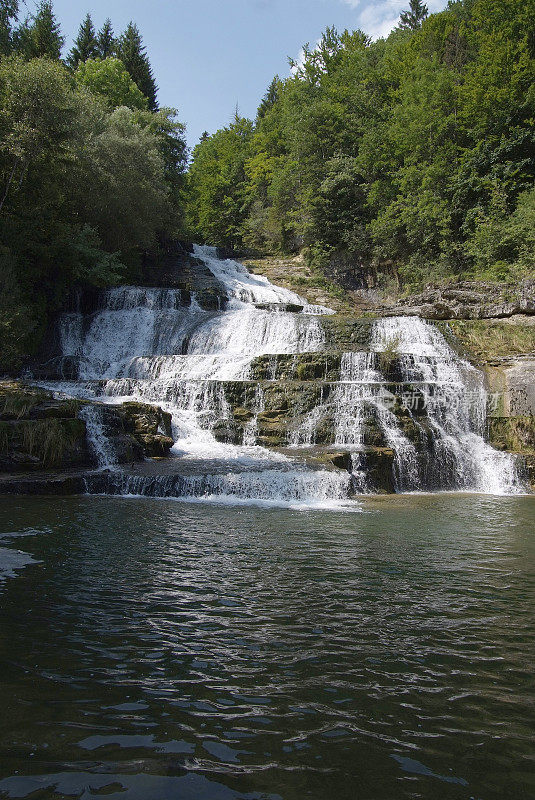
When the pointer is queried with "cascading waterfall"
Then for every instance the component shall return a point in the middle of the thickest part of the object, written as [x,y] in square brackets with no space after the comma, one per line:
[453,453]
[158,346]
[99,444]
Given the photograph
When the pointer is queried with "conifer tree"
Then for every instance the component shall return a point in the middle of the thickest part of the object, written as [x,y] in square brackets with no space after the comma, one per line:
[413,18]
[270,98]
[8,14]
[85,45]
[132,52]
[106,41]
[44,34]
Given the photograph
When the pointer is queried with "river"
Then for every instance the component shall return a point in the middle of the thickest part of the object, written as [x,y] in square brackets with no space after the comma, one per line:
[154,649]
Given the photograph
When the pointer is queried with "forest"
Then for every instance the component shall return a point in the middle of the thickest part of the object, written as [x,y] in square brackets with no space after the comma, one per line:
[91,168]
[387,163]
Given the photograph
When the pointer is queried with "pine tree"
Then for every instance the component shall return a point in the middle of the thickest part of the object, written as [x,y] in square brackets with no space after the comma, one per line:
[8,14]
[45,37]
[131,51]
[412,19]
[106,40]
[85,45]
[270,98]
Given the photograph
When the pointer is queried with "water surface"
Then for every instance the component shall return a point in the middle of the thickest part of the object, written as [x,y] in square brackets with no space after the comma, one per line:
[155,649]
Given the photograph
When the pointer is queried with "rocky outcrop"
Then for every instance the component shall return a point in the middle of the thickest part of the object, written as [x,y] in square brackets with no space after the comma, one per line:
[150,426]
[467,300]
[39,432]
[511,385]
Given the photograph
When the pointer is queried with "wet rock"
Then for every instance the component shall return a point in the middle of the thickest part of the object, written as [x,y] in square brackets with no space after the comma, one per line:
[341,460]
[377,463]
[346,334]
[512,384]
[290,308]
[43,485]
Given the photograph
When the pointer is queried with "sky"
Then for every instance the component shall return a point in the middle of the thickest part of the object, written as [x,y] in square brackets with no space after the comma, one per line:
[210,55]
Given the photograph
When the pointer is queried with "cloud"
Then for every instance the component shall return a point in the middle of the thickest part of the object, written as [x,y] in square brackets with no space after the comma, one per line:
[378,17]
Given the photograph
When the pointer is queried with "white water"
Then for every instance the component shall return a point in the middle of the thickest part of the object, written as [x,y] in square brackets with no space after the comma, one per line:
[146,344]
[101,448]
[243,287]
[455,401]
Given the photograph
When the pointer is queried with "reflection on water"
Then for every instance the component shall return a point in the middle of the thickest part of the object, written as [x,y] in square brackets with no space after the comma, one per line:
[152,650]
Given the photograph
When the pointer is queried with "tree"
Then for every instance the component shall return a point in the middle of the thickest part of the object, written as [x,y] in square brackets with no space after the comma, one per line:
[127,185]
[132,52]
[85,45]
[106,40]
[217,177]
[110,79]
[8,14]
[44,34]
[84,191]
[270,98]
[413,18]
[37,114]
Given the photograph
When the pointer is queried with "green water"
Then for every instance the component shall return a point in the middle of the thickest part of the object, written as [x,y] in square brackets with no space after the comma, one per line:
[152,650]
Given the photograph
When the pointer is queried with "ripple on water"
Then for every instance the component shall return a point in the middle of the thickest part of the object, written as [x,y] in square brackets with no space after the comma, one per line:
[170,650]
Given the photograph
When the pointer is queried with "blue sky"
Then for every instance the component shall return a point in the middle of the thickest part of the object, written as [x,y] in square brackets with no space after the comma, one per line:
[209,55]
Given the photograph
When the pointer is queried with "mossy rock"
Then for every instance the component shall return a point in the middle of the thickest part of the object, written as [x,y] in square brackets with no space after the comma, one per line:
[156,446]
[378,465]
[242,415]
[346,334]
[142,419]
[515,434]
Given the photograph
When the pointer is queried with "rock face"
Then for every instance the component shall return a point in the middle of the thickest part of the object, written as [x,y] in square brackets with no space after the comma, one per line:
[467,300]
[512,409]
[150,426]
[39,432]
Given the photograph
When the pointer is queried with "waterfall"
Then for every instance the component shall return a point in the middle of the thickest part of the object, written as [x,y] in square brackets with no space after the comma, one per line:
[98,442]
[407,396]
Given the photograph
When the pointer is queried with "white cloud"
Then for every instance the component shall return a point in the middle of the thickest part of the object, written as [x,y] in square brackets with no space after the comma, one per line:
[379,17]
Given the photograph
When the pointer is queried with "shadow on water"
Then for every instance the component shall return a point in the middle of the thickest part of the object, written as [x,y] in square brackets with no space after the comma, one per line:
[152,649]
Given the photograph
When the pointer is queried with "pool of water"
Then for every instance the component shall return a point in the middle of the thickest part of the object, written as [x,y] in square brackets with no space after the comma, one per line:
[155,649]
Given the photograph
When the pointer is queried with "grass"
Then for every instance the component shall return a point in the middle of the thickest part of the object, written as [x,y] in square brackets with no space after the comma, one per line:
[515,434]
[18,403]
[489,339]
[45,439]
[389,352]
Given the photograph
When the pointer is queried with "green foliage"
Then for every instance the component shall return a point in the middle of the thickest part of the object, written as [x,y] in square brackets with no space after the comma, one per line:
[110,79]
[85,191]
[413,18]
[396,162]
[8,14]
[106,40]
[43,35]
[389,352]
[217,181]
[132,52]
[85,45]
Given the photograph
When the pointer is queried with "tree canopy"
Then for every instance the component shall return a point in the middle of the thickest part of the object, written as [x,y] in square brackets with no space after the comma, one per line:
[91,174]
[132,52]
[85,45]
[392,162]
